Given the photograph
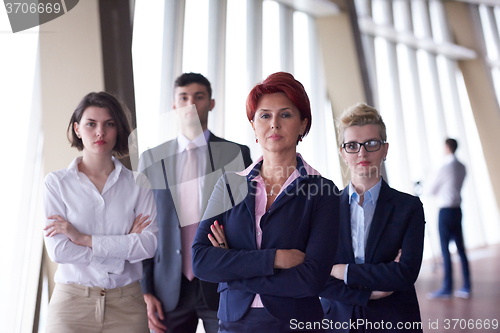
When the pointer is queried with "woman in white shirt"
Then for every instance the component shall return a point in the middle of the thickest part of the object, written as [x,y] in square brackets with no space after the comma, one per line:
[101,224]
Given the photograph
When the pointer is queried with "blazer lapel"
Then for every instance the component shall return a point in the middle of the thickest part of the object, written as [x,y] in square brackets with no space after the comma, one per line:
[170,161]
[214,155]
[211,176]
[380,218]
[249,203]
[345,225]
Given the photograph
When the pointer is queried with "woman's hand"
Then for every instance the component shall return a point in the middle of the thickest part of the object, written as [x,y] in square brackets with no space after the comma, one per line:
[218,239]
[140,223]
[286,259]
[61,226]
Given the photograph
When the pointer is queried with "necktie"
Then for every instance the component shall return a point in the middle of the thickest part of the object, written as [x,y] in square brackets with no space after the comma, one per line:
[190,207]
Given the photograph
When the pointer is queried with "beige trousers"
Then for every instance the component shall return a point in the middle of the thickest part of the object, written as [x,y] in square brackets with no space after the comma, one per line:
[80,309]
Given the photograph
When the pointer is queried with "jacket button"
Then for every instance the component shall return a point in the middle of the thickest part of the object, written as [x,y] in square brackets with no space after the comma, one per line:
[178,251]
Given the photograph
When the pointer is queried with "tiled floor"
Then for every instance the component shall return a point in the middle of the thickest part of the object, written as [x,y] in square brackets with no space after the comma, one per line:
[469,314]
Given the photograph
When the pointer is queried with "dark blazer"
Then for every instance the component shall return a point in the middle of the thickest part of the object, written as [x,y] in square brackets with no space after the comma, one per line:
[398,223]
[304,217]
[162,273]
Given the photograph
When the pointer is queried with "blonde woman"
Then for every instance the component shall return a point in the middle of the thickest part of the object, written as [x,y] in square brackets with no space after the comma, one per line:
[381,238]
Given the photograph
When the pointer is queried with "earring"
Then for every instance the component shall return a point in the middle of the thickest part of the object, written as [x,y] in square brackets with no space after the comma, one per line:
[78,136]
[300,137]
[256,140]
[384,159]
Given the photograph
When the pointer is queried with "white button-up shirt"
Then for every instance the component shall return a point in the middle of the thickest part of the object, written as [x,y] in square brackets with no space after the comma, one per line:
[115,259]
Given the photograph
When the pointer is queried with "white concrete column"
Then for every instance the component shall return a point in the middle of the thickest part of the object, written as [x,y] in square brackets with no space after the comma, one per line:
[217,62]
[433,105]
[391,106]
[173,33]
[254,42]
[418,146]
[466,27]
[364,9]
[286,38]
[254,51]
[493,27]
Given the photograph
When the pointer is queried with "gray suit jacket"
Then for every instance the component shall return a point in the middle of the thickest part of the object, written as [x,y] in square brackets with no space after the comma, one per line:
[162,273]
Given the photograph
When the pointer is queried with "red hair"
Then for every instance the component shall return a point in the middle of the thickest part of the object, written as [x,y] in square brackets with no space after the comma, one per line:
[281,82]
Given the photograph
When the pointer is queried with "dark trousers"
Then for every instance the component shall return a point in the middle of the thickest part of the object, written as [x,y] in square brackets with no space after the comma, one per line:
[450,228]
[191,308]
[358,313]
[258,320]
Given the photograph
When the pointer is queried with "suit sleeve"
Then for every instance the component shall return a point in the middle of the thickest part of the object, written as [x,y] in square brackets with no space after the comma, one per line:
[216,265]
[395,276]
[147,284]
[337,290]
[308,278]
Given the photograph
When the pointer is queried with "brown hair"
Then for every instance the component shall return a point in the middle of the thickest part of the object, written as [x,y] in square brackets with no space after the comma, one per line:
[116,110]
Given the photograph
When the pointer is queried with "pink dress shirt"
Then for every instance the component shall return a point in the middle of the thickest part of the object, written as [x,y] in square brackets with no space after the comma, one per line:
[261,202]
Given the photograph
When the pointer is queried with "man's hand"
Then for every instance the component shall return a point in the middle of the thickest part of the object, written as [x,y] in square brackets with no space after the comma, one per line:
[398,257]
[380,294]
[154,309]
[338,271]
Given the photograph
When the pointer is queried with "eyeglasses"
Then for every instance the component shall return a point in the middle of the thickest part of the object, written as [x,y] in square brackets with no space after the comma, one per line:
[355,147]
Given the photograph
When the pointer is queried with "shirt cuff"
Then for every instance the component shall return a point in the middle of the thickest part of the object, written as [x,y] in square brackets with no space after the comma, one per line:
[116,247]
[345,273]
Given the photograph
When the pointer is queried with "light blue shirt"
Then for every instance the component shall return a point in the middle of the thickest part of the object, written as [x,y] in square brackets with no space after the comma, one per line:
[361,220]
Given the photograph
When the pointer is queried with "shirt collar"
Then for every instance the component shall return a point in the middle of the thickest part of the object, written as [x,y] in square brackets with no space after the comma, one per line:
[303,168]
[73,167]
[370,195]
[449,158]
[200,141]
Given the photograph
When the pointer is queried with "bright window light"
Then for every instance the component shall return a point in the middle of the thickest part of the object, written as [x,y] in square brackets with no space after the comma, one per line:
[301,49]
[195,50]
[236,73]
[18,62]
[147,50]
[270,38]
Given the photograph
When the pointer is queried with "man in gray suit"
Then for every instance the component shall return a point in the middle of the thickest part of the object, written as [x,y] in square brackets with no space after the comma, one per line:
[175,299]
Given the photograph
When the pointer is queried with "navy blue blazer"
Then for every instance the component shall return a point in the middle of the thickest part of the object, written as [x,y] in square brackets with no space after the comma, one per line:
[398,223]
[305,216]
[162,274]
